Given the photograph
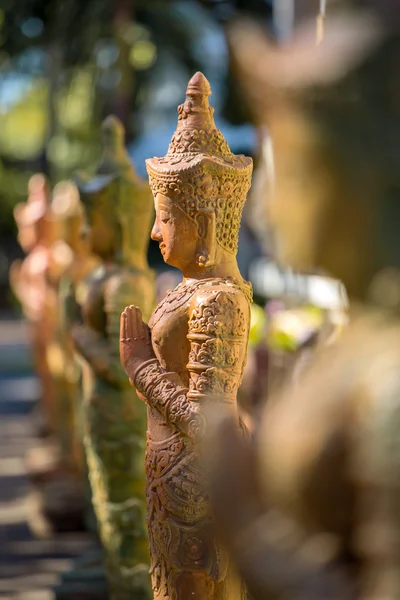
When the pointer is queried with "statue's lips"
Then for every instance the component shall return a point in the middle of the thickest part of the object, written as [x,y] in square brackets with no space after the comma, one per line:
[162,248]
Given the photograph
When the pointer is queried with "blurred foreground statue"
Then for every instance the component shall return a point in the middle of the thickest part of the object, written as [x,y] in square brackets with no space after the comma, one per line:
[119,211]
[193,349]
[312,512]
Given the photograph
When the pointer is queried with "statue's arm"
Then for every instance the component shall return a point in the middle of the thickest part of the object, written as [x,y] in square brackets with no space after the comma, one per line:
[102,351]
[217,332]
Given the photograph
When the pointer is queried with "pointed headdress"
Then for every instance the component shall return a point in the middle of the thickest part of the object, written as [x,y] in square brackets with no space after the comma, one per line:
[115,179]
[199,172]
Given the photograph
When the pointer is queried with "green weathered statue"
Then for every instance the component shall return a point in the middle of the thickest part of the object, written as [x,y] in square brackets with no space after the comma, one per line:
[119,212]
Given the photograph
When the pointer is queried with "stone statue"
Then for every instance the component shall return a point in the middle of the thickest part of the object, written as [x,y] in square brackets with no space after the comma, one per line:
[28,279]
[326,466]
[87,574]
[73,287]
[194,347]
[119,211]
[56,502]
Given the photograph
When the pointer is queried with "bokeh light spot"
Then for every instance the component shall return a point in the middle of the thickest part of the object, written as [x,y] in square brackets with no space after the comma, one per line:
[132,32]
[32,27]
[143,54]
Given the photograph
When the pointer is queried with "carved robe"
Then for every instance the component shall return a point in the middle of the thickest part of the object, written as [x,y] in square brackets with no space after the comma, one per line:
[199,336]
[114,427]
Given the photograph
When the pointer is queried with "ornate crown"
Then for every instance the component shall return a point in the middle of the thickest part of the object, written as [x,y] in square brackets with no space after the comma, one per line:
[199,171]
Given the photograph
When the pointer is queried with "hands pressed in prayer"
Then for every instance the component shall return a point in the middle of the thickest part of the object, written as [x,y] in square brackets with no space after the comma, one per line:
[135,340]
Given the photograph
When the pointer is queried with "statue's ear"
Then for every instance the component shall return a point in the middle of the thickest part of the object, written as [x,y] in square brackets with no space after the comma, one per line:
[206,231]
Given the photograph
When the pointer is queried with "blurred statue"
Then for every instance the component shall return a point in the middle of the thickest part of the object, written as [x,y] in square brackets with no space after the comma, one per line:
[194,347]
[119,210]
[57,500]
[28,279]
[87,574]
[262,187]
[251,393]
[313,511]
[73,288]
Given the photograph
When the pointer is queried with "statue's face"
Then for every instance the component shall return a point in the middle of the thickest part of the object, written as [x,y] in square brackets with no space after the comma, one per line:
[175,233]
[100,233]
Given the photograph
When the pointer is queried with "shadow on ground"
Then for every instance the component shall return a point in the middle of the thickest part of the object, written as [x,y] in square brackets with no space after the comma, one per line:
[29,567]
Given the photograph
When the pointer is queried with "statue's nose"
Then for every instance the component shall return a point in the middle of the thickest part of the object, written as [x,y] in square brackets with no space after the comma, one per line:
[156,233]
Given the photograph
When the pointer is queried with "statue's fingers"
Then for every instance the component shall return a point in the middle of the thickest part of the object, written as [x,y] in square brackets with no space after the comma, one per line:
[141,327]
[131,321]
[138,323]
[123,332]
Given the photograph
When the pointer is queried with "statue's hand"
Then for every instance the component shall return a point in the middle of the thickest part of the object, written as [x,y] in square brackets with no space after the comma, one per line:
[135,340]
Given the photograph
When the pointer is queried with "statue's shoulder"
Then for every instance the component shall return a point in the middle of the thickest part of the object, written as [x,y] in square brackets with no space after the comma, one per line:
[220,308]
[226,292]
[346,401]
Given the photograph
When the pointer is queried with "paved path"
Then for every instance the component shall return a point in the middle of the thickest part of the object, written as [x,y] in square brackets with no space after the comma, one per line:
[29,567]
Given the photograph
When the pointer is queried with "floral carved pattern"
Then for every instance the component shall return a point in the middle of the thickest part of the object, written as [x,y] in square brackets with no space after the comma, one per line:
[214,351]
[198,140]
[219,315]
[214,381]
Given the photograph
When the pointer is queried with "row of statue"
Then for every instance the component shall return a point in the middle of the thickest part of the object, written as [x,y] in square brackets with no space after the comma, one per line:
[143,399]
[111,378]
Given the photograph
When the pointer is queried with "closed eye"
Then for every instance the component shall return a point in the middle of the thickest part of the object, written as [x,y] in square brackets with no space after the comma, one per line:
[164,217]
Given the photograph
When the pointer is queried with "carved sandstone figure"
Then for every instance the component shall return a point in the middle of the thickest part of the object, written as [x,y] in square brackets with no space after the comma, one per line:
[28,279]
[88,570]
[119,212]
[327,462]
[73,289]
[56,503]
[194,348]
